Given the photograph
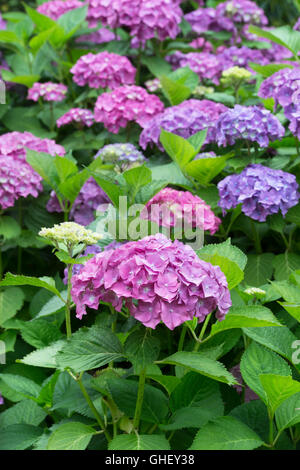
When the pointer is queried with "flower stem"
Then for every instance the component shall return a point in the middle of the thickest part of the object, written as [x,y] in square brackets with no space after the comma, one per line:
[203,329]
[20,216]
[256,238]
[68,304]
[93,408]
[182,336]
[140,398]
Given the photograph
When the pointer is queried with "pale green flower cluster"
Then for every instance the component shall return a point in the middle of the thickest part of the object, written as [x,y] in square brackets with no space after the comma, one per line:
[70,233]
[235,75]
[203,90]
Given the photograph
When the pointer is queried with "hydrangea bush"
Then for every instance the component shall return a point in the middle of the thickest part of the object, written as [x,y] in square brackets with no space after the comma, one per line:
[149,226]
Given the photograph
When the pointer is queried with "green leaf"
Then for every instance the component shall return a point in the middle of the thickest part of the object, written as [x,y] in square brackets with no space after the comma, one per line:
[141,349]
[139,442]
[285,264]
[40,333]
[178,148]
[71,20]
[175,92]
[259,269]
[45,282]
[226,433]
[227,250]
[285,36]
[278,388]
[268,70]
[202,364]
[44,165]
[258,360]
[169,382]
[53,305]
[11,301]
[288,412]
[197,140]
[9,227]
[255,415]
[44,357]
[71,436]
[19,437]
[24,412]
[205,170]
[27,80]
[157,66]
[293,215]
[90,348]
[232,271]
[108,183]
[41,21]
[26,387]
[136,178]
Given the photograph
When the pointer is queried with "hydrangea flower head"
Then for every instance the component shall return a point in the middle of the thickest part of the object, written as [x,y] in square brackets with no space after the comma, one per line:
[170,207]
[70,233]
[240,56]
[98,37]
[207,66]
[48,91]
[207,19]
[124,104]
[250,123]
[124,156]
[56,8]
[103,70]
[84,117]
[262,191]
[17,179]
[159,281]
[15,144]
[242,11]
[235,75]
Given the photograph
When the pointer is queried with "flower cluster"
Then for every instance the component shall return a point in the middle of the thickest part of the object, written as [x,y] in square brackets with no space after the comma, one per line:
[207,66]
[201,43]
[56,8]
[240,56]
[153,85]
[262,191]
[207,19]
[234,76]
[123,156]
[184,120]
[90,198]
[17,179]
[242,12]
[103,70]
[48,91]
[84,117]
[125,104]
[70,233]
[170,208]
[98,37]
[159,280]
[145,19]
[250,123]
[15,144]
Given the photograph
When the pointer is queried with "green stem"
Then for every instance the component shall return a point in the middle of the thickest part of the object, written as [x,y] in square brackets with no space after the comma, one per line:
[68,304]
[139,401]
[182,336]
[1,264]
[271,431]
[256,238]
[203,329]
[52,123]
[93,408]
[139,64]
[20,216]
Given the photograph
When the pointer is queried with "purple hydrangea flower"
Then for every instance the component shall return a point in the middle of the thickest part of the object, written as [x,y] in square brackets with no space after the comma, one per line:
[1,400]
[124,156]
[84,117]
[17,179]
[98,37]
[241,56]
[159,281]
[262,191]
[206,19]
[250,123]
[199,156]
[249,394]
[201,43]
[103,70]
[184,120]
[90,198]
[124,104]
[297,25]
[207,66]
[56,8]
[48,91]
[2,26]
[242,12]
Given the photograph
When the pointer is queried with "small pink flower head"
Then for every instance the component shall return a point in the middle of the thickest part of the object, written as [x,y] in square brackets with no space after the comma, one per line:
[103,70]
[157,279]
[170,207]
[84,117]
[56,8]
[48,91]
[124,104]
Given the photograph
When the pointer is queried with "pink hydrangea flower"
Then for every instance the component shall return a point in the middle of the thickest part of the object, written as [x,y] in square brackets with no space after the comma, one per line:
[125,104]
[56,8]
[48,91]
[17,179]
[170,207]
[98,37]
[84,117]
[159,281]
[14,144]
[103,70]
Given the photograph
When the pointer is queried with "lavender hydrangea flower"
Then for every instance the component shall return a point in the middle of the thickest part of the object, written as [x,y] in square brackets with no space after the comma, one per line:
[250,123]
[103,70]
[207,66]
[17,179]
[56,8]
[84,117]
[241,56]
[262,191]
[123,156]
[184,120]
[48,91]
[90,198]
[206,19]
[159,281]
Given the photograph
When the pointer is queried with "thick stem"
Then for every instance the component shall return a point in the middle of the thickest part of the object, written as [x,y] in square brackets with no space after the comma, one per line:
[182,336]
[93,409]
[20,216]
[203,329]
[139,401]
[256,238]
[68,304]
[139,65]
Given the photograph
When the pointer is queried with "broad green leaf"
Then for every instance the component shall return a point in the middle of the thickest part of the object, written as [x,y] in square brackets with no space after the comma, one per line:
[26,387]
[169,382]
[108,183]
[258,360]
[226,433]
[41,21]
[11,301]
[200,363]
[90,348]
[232,271]
[71,436]
[53,305]
[45,397]
[285,264]
[292,309]
[255,415]
[27,80]
[44,357]
[19,436]
[278,388]
[24,412]
[139,442]
[157,66]
[284,35]
[71,20]
[9,227]
[268,70]
[205,170]
[259,269]
[198,139]
[175,92]
[178,148]
[44,165]
[40,333]
[141,349]
[227,250]
[45,282]
[137,178]
[293,215]
[288,412]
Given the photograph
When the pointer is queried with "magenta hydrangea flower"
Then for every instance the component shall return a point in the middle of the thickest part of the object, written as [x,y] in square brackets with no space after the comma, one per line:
[201,43]
[184,120]
[48,91]
[262,191]
[1,400]
[159,281]
[14,144]
[251,123]
[56,8]
[170,207]
[17,179]
[297,25]
[2,26]
[124,104]
[98,37]
[90,198]
[84,117]
[103,70]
